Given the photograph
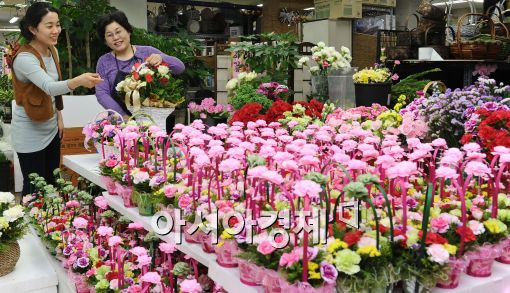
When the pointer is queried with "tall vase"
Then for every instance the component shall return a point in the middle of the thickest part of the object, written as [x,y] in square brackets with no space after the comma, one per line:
[341,88]
[372,93]
[320,89]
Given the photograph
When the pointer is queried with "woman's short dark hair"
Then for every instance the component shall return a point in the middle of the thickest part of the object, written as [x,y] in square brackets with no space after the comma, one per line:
[33,17]
[116,16]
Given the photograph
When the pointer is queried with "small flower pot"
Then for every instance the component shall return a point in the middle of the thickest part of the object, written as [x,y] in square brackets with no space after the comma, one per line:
[505,251]
[191,238]
[372,93]
[145,207]
[250,274]
[206,242]
[481,260]
[273,282]
[109,184]
[456,267]
[126,193]
[226,252]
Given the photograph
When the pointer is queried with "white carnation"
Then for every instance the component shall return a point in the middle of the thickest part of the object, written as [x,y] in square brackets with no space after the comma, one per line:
[321,44]
[6,197]
[303,60]
[231,84]
[13,213]
[314,69]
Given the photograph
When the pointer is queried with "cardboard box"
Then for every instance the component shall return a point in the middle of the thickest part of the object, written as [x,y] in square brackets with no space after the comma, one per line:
[388,3]
[334,9]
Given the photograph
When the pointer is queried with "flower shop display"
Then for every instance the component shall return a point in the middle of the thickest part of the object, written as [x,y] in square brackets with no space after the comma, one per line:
[373,85]
[12,228]
[101,132]
[326,60]
[210,112]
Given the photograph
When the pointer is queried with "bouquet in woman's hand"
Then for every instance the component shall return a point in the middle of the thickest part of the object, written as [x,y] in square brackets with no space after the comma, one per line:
[151,86]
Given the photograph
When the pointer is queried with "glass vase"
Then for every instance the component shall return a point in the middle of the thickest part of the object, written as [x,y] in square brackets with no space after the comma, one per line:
[341,88]
[320,89]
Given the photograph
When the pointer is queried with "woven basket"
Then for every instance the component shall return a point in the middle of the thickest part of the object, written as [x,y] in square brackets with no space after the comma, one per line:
[9,258]
[475,50]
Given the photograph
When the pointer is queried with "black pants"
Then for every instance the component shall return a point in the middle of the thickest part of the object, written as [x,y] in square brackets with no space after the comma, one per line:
[42,162]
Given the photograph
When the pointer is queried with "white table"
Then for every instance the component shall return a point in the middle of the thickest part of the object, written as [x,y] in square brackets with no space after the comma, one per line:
[228,278]
[33,272]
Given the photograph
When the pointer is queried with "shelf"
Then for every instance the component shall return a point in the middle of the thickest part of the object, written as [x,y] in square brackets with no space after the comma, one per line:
[228,278]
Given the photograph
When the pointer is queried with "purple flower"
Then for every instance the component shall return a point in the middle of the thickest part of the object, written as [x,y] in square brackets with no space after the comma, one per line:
[312,253]
[328,272]
[68,250]
[83,262]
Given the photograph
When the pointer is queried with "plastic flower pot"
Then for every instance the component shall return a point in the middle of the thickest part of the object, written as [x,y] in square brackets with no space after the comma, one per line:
[273,282]
[126,193]
[225,253]
[191,238]
[145,206]
[206,242]
[505,251]
[481,260]
[456,266]
[370,93]
[79,280]
[109,184]
[250,274]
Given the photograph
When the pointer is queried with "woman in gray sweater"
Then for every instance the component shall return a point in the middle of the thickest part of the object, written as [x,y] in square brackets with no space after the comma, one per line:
[38,143]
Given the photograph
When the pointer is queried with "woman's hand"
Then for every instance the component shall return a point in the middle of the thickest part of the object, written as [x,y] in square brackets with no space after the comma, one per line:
[60,124]
[88,80]
[154,59]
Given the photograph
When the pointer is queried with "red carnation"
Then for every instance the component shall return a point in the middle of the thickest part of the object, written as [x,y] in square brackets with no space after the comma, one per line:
[352,238]
[112,276]
[136,75]
[466,233]
[247,113]
[466,138]
[433,238]
[276,111]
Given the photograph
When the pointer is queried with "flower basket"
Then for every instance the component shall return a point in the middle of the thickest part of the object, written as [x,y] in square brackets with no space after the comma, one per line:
[456,266]
[370,93]
[126,193]
[474,49]
[225,254]
[109,184]
[273,282]
[504,247]
[250,274]
[205,242]
[8,258]
[481,260]
[191,238]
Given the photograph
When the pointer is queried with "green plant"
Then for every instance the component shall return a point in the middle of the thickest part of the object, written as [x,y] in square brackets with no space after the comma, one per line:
[6,91]
[270,53]
[182,46]
[409,85]
[246,93]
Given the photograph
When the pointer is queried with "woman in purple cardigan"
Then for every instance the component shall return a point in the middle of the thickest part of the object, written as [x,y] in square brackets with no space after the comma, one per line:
[115,65]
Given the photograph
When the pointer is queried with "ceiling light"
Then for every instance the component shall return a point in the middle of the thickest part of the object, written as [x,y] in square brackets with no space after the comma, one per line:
[456,2]
[309,8]
[13,19]
[260,5]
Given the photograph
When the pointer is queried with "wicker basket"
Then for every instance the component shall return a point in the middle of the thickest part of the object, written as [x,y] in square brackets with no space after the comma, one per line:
[9,258]
[475,49]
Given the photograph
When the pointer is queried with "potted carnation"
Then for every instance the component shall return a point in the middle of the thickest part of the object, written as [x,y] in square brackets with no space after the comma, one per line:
[210,112]
[373,85]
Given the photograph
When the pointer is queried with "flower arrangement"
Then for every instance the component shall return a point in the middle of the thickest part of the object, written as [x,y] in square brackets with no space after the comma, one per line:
[151,86]
[102,129]
[208,108]
[327,59]
[377,74]
[12,223]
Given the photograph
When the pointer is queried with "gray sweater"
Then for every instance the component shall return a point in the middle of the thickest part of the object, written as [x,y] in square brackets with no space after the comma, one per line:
[29,136]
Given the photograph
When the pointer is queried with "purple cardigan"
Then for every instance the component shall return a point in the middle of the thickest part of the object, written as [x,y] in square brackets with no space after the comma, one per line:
[107,69]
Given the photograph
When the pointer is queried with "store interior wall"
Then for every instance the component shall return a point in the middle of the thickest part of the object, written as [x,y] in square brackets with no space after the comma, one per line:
[135,11]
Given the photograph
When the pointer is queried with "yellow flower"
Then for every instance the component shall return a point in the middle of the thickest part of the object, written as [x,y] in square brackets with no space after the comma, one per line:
[227,233]
[314,275]
[452,249]
[312,266]
[3,223]
[369,250]
[495,226]
[336,245]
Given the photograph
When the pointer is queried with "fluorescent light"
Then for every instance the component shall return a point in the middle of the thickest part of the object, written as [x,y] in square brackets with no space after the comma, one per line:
[456,2]
[260,5]
[9,29]
[309,8]
[13,19]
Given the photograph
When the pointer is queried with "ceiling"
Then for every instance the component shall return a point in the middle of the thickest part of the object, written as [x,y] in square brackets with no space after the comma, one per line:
[7,13]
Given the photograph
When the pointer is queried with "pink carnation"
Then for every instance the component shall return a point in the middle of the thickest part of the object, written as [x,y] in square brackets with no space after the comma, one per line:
[266,248]
[101,202]
[114,240]
[138,251]
[190,286]
[288,259]
[104,231]
[309,188]
[151,277]
[80,223]
[72,204]
[167,247]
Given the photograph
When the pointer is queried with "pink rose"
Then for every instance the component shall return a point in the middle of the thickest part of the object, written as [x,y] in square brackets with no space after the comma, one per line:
[266,248]
[110,163]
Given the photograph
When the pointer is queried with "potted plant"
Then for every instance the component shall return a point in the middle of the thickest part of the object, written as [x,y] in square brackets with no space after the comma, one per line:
[12,228]
[373,85]
[5,169]
[6,97]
